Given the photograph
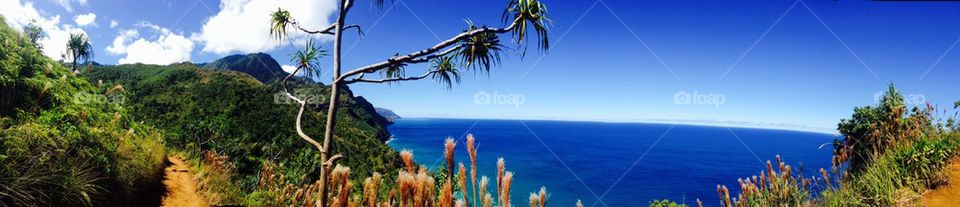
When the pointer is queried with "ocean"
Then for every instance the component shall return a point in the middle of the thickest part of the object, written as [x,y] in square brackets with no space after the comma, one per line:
[614,164]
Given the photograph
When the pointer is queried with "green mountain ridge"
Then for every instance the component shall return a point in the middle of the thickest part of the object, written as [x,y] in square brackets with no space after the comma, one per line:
[236,115]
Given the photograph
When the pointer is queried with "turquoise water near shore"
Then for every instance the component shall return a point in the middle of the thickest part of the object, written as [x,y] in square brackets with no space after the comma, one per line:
[615,164]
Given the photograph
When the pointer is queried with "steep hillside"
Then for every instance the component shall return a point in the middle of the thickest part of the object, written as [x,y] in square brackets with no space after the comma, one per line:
[64,141]
[388,114]
[250,122]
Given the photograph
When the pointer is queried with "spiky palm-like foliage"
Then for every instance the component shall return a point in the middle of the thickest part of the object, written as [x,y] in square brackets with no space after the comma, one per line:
[78,47]
[527,14]
[308,59]
[445,71]
[397,70]
[279,20]
[480,51]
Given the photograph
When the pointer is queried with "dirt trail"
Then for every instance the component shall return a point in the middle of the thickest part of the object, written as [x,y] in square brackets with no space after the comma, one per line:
[947,195]
[180,186]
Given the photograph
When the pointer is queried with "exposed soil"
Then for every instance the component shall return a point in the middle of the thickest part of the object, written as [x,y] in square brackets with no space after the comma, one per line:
[180,186]
[947,195]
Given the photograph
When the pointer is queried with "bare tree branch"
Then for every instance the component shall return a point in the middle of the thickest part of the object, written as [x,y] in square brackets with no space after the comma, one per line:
[420,55]
[359,31]
[303,105]
[387,80]
[332,159]
[327,31]
[302,135]
[436,55]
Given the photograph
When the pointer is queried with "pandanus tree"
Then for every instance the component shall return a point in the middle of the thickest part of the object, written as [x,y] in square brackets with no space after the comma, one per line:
[475,48]
[78,47]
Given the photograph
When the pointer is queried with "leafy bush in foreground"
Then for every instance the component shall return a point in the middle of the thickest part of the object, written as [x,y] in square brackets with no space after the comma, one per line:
[889,156]
[665,203]
[61,142]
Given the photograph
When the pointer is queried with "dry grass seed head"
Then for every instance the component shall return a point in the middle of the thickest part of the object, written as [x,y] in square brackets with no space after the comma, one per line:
[407,157]
[505,194]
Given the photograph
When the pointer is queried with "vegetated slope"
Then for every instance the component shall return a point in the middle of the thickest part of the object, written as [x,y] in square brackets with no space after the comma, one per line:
[259,65]
[890,154]
[65,141]
[250,122]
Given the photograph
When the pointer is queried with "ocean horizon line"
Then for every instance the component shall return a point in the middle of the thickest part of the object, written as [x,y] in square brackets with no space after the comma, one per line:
[707,123]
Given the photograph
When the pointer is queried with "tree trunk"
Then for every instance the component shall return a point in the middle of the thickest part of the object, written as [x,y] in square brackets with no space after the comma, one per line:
[74,67]
[334,100]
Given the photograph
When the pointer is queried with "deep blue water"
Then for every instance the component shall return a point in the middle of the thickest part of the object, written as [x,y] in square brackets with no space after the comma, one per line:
[589,160]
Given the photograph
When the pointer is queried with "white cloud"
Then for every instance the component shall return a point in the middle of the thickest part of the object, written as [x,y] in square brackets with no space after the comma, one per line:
[19,14]
[168,47]
[290,69]
[84,20]
[68,4]
[149,25]
[113,24]
[243,25]
[119,46]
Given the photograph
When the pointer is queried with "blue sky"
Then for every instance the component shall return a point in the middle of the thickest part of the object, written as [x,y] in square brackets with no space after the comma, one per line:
[799,63]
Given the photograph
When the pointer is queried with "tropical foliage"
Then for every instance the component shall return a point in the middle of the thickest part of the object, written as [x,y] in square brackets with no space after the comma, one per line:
[242,120]
[888,156]
[65,141]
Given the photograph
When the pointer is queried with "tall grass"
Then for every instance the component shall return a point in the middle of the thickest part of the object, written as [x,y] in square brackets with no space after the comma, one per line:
[59,149]
[889,156]
[414,186]
[899,177]
[216,178]
[777,185]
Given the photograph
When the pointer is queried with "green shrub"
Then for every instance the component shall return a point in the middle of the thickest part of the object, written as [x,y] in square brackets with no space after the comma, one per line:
[665,203]
[921,162]
[871,130]
[261,198]
[899,176]
[58,147]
